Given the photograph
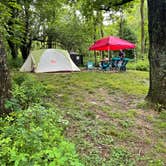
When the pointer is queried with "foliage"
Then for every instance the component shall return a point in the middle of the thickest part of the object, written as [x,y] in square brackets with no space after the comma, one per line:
[25,92]
[128,35]
[14,63]
[133,20]
[71,33]
[142,65]
[120,157]
[156,163]
[33,137]
[98,112]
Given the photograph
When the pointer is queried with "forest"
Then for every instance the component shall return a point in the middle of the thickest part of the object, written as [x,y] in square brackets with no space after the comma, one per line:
[60,105]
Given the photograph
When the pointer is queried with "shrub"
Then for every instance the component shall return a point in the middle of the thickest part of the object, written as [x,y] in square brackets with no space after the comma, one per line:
[15,63]
[33,137]
[139,65]
[19,78]
[25,92]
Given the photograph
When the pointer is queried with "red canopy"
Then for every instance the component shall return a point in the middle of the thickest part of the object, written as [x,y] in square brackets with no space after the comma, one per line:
[111,43]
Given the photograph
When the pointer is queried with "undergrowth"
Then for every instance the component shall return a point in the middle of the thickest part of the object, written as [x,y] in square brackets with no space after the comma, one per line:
[33,133]
[86,118]
[142,65]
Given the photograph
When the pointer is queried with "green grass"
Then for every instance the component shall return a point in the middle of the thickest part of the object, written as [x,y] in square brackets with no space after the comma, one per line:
[108,120]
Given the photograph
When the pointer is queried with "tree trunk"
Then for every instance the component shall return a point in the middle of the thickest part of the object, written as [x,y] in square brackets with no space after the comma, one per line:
[10,28]
[121,23]
[13,48]
[94,36]
[4,81]
[101,30]
[50,41]
[142,28]
[157,51]
[25,49]
[27,36]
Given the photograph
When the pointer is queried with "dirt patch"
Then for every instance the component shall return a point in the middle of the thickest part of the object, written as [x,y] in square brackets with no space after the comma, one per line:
[142,129]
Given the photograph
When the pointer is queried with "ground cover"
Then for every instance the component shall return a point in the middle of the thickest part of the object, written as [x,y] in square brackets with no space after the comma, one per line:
[109,121]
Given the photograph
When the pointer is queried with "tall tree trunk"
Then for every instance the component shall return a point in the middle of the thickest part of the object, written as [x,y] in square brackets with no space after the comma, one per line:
[4,81]
[25,49]
[94,36]
[101,30]
[121,24]
[142,28]
[13,48]
[27,36]
[157,51]
[50,41]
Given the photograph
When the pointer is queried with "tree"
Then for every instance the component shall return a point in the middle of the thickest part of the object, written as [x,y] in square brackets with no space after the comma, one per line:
[13,28]
[4,73]
[12,25]
[142,28]
[27,20]
[157,51]
[128,35]
[4,80]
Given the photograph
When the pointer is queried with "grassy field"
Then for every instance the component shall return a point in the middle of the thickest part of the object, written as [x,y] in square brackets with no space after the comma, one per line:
[108,119]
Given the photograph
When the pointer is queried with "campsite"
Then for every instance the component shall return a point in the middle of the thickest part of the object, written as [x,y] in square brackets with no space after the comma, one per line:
[82,83]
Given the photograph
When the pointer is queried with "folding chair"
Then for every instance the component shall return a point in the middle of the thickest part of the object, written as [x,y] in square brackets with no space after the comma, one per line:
[90,65]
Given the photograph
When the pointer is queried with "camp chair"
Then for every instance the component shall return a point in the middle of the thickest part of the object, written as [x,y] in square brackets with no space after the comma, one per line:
[123,65]
[114,64]
[90,65]
[119,64]
[105,66]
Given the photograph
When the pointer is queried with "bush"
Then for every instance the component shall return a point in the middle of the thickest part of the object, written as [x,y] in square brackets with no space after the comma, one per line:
[139,65]
[26,91]
[15,63]
[33,137]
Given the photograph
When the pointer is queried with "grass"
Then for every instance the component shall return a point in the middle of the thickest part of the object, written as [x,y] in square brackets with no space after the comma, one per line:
[107,117]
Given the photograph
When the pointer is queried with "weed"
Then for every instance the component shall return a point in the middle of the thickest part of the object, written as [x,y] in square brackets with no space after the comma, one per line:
[150,118]
[120,157]
[90,114]
[143,105]
[123,115]
[160,147]
[156,163]
[126,123]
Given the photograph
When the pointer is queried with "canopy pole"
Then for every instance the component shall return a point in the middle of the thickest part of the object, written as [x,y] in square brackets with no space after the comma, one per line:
[95,57]
[109,54]
[135,58]
[89,56]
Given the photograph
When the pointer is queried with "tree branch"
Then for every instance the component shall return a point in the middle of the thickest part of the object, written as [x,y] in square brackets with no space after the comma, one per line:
[122,2]
[107,7]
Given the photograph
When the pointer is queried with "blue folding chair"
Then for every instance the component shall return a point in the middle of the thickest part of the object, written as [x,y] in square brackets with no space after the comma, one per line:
[120,64]
[90,65]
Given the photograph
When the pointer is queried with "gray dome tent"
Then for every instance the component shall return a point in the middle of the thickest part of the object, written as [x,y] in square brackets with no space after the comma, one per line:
[49,60]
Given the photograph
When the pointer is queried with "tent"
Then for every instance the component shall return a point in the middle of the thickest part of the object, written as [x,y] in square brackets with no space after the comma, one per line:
[49,60]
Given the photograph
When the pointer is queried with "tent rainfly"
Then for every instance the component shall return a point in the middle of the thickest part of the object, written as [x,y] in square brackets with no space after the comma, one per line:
[49,60]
